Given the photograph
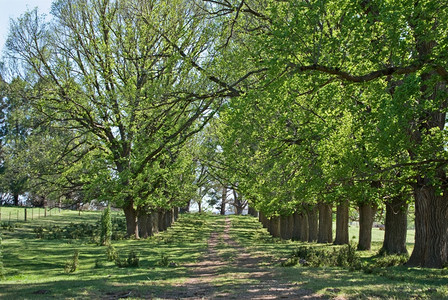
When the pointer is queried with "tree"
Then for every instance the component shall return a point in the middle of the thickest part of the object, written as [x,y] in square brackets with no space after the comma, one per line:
[392,53]
[122,76]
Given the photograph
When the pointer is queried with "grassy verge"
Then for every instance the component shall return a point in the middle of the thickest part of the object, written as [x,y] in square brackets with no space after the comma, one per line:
[35,267]
[371,282]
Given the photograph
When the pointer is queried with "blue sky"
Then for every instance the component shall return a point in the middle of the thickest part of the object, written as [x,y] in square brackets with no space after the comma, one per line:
[13,9]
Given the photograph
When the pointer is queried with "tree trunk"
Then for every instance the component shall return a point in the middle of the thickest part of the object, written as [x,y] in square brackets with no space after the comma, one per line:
[186,208]
[16,199]
[431,228]
[296,228]
[301,230]
[275,227]
[263,220]
[176,213]
[252,211]
[131,220]
[143,220]
[304,230]
[366,216]
[396,226]
[168,218]
[154,222]
[313,224]
[162,220]
[222,211]
[342,237]
[325,224]
[285,227]
[200,206]
[239,210]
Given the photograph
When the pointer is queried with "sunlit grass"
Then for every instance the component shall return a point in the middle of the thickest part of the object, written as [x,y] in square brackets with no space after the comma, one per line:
[35,267]
[379,283]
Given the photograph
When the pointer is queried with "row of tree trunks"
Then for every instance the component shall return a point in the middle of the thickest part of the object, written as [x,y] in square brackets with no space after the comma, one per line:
[315,224]
[152,222]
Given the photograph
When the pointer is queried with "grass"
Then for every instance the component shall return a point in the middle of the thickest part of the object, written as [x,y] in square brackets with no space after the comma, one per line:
[397,282]
[17,214]
[35,267]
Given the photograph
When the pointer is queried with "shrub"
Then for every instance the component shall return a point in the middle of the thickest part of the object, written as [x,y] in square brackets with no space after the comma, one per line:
[39,231]
[106,227]
[391,260]
[164,261]
[345,256]
[131,261]
[111,253]
[98,263]
[77,231]
[9,226]
[72,265]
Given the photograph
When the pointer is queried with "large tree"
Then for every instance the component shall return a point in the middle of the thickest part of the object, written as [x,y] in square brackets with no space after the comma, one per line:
[126,79]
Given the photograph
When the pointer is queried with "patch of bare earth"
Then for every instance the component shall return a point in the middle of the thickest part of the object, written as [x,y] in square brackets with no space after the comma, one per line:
[239,276]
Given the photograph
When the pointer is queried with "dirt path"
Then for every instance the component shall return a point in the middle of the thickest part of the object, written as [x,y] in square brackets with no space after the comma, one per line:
[227,271]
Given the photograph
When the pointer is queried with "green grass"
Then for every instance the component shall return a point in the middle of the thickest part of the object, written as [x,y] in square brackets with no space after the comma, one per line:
[35,267]
[17,214]
[397,282]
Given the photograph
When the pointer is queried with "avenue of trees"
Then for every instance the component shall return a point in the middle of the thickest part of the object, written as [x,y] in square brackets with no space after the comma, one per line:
[301,108]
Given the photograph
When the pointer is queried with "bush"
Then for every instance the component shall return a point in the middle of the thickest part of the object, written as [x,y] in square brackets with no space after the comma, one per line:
[111,253]
[82,231]
[72,265]
[98,263]
[105,227]
[8,226]
[131,261]
[345,256]
[391,260]
[164,261]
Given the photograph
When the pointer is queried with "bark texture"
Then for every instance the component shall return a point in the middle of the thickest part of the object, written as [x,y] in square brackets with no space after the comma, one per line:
[313,224]
[431,228]
[325,223]
[131,220]
[223,201]
[342,236]
[274,223]
[286,224]
[395,226]
[366,216]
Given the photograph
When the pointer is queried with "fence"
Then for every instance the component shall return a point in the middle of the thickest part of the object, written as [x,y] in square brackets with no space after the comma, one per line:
[14,214]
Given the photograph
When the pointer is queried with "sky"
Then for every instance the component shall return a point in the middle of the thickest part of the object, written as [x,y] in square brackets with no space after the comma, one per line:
[13,9]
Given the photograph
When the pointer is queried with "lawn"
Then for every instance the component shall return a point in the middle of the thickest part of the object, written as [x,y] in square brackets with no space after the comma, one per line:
[397,282]
[35,266]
